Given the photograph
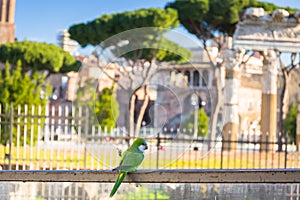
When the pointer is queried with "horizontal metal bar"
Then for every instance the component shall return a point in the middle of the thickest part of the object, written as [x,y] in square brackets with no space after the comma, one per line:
[156,176]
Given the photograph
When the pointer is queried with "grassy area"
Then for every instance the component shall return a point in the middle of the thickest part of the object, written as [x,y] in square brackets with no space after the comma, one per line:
[35,158]
[81,158]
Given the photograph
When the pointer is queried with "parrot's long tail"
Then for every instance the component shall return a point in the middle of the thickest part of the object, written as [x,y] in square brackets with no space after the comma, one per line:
[118,183]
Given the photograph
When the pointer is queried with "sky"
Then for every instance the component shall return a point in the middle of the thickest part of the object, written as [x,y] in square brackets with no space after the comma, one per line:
[41,20]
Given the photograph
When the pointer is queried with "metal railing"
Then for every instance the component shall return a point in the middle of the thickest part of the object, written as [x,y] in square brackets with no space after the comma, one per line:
[101,152]
[37,138]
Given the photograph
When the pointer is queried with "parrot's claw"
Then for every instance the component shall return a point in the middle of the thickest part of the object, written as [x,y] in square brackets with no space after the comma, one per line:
[115,170]
[119,152]
[138,185]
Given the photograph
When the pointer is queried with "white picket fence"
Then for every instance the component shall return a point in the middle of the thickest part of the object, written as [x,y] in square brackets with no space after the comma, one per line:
[63,137]
[57,137]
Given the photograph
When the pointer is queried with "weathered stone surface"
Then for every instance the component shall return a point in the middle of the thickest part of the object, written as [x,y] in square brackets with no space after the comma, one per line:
[254,13]
[280,15]
[297,16]
[260,31]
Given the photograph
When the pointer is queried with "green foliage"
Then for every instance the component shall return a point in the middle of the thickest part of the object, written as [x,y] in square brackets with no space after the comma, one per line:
[147,193]
[22,91]
[203,123]
[204,17]
[208,18]
[85,93]
[106,26]
[162,50]
[39,56]
[269,6]
[104,105]
[290,122]
[17,87]
[146,43]
[84,103]
[107,108]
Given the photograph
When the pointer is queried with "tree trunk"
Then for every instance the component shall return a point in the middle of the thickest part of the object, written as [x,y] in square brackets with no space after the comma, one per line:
[283,102]
[219,93]
[216,110]
[142,111]
[131,114]
[131,117]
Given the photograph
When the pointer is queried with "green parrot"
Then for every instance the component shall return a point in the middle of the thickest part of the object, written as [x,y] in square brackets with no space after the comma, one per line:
[131,159]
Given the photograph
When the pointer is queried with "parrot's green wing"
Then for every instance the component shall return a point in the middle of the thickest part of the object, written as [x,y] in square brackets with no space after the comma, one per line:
[130,161]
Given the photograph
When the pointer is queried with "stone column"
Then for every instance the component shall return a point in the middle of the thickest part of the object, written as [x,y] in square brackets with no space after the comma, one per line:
[191,84]
[298,121]
[11,14]
[3,11]
[232,83]
[269,100]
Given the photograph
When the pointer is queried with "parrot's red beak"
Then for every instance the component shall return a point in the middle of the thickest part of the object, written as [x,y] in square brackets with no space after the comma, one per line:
[146,146]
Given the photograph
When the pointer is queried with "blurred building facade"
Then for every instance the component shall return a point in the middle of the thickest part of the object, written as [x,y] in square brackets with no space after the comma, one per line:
[172,87]
[7,21]
[66,43]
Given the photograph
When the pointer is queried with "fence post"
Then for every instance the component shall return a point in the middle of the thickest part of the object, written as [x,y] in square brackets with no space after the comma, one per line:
[285,150]
[85,155]
[10,134]
[222,150]
[158,147]
[280,136]
[87,122]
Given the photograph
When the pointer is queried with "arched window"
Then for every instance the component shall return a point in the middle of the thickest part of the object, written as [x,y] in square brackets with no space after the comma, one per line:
[196,78]
[204,78]
[187,77]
